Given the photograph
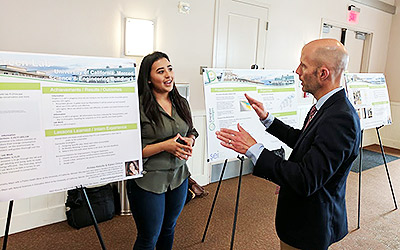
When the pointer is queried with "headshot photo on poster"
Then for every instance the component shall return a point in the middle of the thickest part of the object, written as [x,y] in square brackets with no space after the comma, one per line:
[132,168]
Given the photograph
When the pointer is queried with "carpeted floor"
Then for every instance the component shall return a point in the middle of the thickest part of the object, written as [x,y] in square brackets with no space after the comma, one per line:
[255,226]
[371,159]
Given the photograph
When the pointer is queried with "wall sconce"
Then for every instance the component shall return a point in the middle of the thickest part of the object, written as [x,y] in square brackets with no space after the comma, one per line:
[139,37]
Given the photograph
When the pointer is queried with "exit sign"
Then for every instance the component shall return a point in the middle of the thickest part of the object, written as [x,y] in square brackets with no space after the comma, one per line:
[352,16]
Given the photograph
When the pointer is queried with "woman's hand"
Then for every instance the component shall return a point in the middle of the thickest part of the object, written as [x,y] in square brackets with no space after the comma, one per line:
[189,140]
[180,150]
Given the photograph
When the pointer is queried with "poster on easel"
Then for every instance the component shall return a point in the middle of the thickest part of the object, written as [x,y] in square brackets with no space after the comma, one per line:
[226,105]
[369,95]
[66,121]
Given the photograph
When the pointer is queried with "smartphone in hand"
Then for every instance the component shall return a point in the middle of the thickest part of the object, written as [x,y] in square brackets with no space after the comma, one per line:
[179,140]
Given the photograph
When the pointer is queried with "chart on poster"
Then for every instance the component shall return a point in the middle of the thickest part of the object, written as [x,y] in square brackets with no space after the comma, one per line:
[226,105]
[369,95]
[66,121]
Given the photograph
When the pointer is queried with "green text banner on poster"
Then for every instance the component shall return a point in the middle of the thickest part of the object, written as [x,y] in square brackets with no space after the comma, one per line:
[369,95]
[226,105]
[66,121]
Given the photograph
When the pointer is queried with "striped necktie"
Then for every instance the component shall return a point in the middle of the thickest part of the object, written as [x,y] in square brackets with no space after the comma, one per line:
[313,110]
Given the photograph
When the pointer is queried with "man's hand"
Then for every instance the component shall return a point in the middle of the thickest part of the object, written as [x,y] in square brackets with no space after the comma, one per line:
[258,107]
[239,141]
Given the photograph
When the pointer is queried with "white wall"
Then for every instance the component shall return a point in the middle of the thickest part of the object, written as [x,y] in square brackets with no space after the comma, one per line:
[391,134]
[393,60]
[294,23]
[95,28]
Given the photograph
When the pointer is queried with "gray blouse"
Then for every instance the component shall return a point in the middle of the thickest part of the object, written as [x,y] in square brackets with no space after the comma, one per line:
[163,170]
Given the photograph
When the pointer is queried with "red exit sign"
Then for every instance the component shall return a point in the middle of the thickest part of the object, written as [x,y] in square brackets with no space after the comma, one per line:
[353,14]
[352,17]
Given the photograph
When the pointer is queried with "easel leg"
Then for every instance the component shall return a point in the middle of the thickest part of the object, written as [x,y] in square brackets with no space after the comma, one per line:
[359,181]
[237,201]
[10,208]
[93,218]
[215,199]
[387,170]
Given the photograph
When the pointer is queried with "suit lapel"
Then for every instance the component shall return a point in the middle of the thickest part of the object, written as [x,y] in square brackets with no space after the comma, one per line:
[328,103]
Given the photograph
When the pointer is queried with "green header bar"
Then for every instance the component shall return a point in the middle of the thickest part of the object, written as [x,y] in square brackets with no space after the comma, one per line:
[89,130]
[87,90]
[380,103]
[358,86]
[378,86]
[284,113]
[19,86]
[233,89]
[267,90]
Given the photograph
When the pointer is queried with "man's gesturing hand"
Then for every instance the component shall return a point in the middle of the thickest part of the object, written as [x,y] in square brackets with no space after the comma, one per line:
[258,107]
[239,141]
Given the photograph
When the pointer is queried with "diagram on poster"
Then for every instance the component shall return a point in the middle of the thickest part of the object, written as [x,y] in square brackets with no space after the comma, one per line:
[66,121]
[368,93]
[226,105]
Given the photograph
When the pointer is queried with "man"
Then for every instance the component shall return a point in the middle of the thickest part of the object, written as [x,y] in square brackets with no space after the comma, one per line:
[311,209]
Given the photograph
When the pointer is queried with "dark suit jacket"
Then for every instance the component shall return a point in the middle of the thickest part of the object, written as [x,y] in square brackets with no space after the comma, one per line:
[311,210]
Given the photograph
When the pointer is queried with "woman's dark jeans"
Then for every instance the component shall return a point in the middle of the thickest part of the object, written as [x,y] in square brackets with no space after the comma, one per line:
[155,215]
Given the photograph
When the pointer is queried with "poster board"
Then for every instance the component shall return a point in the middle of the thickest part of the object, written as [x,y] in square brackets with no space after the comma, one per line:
[279,90]
[66,121]
[369,95]
[226,104]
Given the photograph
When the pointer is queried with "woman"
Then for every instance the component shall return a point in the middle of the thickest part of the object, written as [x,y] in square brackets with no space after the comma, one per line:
[168,135]
[132,168]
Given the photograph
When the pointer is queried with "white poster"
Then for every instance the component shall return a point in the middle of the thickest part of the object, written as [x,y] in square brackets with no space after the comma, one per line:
[369,95]
[66,121]
[226,105]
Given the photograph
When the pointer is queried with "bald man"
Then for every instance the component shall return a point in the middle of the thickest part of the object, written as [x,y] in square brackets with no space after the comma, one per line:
[311,210]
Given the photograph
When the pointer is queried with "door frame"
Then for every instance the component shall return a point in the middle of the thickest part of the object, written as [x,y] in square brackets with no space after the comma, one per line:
[216,24]
[367,42]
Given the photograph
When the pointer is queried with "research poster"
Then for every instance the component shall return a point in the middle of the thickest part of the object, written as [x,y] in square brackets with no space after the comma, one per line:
[226,105]
[369,95]
[66,121]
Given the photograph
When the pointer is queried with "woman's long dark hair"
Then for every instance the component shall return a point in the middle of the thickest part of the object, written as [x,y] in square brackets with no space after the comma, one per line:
[150,105]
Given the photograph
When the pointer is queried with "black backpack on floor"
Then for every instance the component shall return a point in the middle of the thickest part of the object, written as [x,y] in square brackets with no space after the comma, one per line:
[101,199]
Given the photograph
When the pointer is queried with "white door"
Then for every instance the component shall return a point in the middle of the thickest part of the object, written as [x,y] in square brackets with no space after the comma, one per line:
[241,31]
[354,43]
[355,47]
[239,43]
[330,31]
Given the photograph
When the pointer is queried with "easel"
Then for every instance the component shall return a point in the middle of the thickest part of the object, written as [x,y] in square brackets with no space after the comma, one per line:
[10,207]
[241,158]
[83,190]
[360,170]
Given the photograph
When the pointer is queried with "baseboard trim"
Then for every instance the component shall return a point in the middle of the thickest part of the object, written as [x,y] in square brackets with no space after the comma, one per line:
[26,221]
[232,169]
[395,103]
[391,143]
